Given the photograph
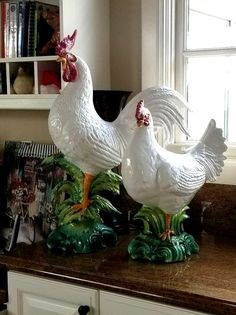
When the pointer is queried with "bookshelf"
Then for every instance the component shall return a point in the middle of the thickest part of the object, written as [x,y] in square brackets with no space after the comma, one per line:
[91,19]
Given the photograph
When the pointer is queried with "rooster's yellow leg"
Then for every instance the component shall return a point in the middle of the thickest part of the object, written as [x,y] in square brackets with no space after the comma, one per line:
[88,178]
[168,232]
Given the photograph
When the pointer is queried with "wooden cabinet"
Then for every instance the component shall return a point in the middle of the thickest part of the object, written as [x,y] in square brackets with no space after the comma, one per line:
[91,19]
[30,295]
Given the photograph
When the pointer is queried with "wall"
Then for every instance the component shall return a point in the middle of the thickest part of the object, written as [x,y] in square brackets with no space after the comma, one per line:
[92,44]
[125,44]
[23,125]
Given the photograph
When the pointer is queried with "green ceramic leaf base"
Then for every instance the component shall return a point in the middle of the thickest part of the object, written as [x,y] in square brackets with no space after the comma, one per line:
[149,247]
[86,236]
[81,231]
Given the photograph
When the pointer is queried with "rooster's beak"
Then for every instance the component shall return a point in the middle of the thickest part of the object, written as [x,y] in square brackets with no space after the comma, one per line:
[63,62]
[140,122]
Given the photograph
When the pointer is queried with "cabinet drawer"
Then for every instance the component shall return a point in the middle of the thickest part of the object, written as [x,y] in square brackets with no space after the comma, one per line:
[116,304]
[35,295]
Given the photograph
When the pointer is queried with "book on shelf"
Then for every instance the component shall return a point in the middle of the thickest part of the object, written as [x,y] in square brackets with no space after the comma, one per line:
[19,29]
[22,32]
[4,27]
[25,25]
[28,28]
[31,28]
[13,25]
[1,34]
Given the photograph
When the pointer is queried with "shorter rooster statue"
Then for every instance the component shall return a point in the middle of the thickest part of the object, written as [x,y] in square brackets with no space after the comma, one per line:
[165,182]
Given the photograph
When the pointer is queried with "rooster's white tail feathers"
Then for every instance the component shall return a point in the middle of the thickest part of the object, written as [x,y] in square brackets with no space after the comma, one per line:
[165,105]
[209,151]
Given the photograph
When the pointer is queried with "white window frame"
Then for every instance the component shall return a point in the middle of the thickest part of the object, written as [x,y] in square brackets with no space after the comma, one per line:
[161,67]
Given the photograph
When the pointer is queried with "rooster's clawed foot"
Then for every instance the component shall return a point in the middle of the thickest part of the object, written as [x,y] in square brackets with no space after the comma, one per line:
[81,207]
[166,235]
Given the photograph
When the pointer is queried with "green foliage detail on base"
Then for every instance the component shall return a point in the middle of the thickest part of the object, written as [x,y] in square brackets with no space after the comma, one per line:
[148,245]
[81,231]
[84,237]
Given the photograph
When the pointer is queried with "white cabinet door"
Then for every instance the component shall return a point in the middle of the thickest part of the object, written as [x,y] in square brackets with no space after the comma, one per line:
[30,295]
[116,304]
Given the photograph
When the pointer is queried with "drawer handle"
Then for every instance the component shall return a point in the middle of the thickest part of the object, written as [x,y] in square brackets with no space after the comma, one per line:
[83,310]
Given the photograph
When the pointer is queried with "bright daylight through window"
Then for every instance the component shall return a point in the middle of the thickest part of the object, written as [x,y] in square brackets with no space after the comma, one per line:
[209,64]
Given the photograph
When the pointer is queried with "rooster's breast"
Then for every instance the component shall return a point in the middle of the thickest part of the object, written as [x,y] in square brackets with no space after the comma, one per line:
[89,142]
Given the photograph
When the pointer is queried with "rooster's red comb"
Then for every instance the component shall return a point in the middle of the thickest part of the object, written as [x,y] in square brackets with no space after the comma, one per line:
[138,113]
[66,44]
[142,114]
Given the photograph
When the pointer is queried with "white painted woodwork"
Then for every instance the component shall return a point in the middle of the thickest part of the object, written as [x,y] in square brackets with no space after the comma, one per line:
[30,295]
[158,43]
[117,304]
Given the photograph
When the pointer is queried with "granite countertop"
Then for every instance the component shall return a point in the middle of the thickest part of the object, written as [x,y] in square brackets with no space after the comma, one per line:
[205,282]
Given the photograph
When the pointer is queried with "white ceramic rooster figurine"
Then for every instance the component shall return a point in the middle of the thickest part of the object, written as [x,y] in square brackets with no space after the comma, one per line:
[91,143]
[159,178]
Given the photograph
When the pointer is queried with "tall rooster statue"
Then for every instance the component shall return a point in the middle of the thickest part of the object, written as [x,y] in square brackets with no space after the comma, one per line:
[165,182]
[89,142]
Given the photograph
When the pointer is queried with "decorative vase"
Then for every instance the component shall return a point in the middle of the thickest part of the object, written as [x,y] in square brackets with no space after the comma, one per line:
[109,103]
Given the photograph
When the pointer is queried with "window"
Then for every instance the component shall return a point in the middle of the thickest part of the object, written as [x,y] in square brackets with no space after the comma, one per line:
[206,39]
[190,45]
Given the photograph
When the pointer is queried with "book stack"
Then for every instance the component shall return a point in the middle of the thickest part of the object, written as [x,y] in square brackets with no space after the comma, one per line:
[27,27]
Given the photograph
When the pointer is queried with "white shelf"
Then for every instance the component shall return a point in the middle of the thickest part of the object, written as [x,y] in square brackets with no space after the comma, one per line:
[91,19]
[28,59]
[37,67]
[27,102]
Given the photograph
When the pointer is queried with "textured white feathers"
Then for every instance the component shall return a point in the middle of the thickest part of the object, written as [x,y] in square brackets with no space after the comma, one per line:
[164,104]
[209,151]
